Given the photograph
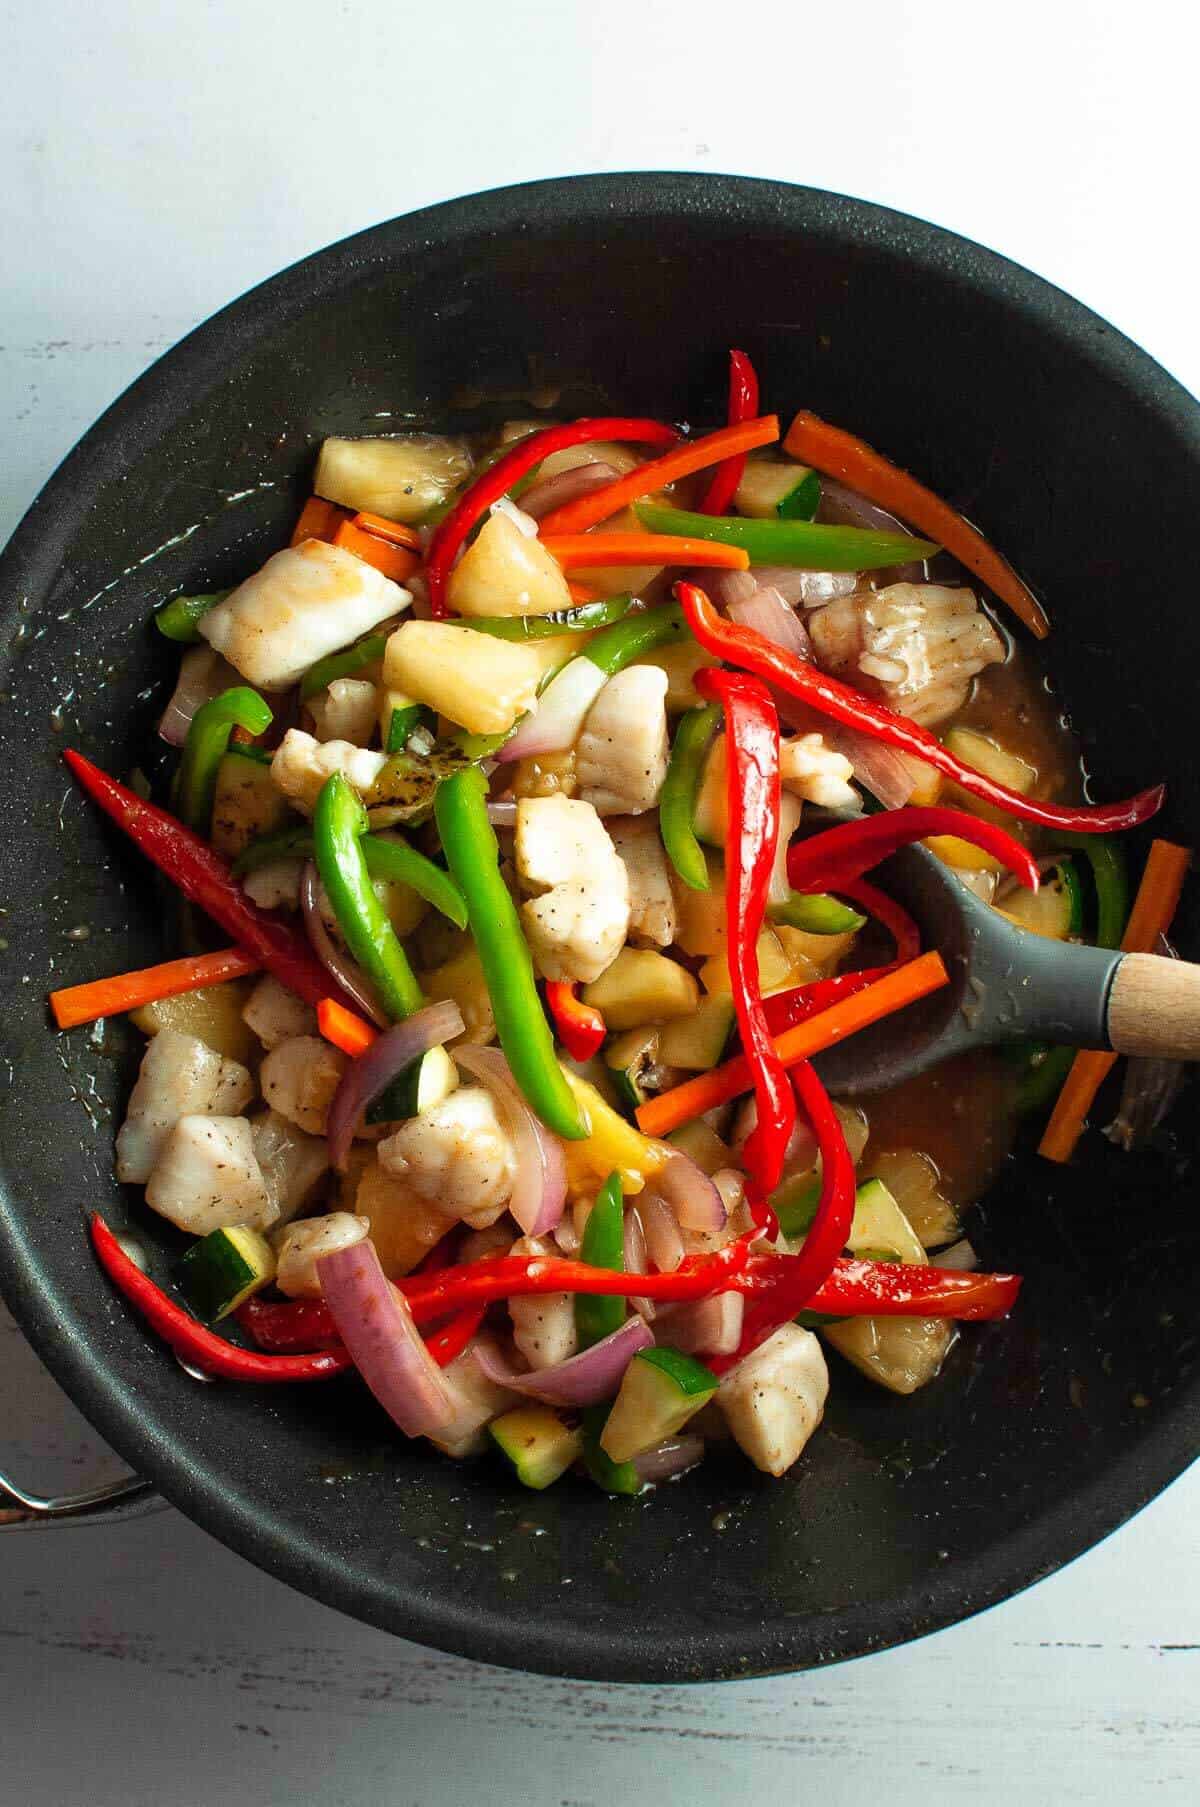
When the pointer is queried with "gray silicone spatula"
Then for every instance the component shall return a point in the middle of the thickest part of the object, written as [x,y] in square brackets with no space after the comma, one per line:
[1007,984]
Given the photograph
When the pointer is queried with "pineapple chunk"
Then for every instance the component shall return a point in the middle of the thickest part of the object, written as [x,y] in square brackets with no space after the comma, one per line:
[402,1225]
[505,572]
[401,478]
[483,684]
[213,1015]
[461,980]
[642,986]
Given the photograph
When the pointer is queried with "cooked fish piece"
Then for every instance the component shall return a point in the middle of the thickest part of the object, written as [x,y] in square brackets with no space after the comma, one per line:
[180,1076]
[207,1178]
[306,602]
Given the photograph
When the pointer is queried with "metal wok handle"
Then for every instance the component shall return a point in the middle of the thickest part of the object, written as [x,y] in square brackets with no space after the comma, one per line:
[108,1505]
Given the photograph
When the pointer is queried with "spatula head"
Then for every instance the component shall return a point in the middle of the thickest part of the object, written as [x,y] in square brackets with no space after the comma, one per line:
[1005,984]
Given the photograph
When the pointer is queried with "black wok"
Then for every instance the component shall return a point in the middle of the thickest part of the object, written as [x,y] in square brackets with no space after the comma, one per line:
[1074,451]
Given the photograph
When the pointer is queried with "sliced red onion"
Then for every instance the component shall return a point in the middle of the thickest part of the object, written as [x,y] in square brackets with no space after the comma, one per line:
[346,971]
[203,674]
[691,1194]
[372,1072]
[583,1379]
[502,812]
[724,588]
[522,521]
[842,506]
[637,1262]
[711,1326]
[808,588]
[566,486]
[561,710]
[769,615]
[668,1459]
[888,775]
[376,1325]
[960,1256]
[540,1183]
[660,1227]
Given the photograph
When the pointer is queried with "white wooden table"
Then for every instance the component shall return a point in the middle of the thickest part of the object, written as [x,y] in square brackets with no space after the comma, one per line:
[158,161]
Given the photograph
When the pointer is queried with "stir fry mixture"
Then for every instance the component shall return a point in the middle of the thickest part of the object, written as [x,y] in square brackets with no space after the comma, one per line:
[522,826]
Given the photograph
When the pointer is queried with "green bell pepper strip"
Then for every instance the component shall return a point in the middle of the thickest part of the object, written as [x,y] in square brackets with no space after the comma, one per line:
[339,822]
[1106,858]
[817,913]
[342,665]
[473,855]
[603,1245]
[584,618]
[403,723]
[677,800]
[811,545]
[205,747]
[394,860]
[180,618]
[618,646]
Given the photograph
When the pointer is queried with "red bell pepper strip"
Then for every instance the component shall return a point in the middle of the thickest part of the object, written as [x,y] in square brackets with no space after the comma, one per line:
[499,479]
[881,1289]
[887,1289]
[814,1262]
[826,861]
[192,1341]
[751,651]
[743,405]
[287,1325]
[446,1344]
[204,879]
[579,1026]
[752,738]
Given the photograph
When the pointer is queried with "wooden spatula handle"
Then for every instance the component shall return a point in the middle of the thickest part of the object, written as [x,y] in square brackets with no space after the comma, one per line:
[1154,1008]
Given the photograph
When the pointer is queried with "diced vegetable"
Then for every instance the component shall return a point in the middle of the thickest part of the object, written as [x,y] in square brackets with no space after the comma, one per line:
[537,1443]
[701,1143]
[628,1058]
[698,1041]
[504,573]
[613,1477]
[642,986]
[914,1183]
[400,478]
[987,756]
[661,1391]
[246,802]
[484,684]
[780,492]
[218,1273]
[880,1230]
[213,1015]
[1055,909]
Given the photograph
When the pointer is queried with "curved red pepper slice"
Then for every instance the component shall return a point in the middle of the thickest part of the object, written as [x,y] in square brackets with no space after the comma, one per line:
[829,860]
[743,405]
[753,652]
[579,1026]
[752,735]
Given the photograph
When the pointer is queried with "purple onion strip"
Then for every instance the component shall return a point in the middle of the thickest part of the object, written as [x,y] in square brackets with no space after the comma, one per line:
[583,1379]
[371,1073]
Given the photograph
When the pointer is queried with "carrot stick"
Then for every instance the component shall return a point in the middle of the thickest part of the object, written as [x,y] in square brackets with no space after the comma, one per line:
[351,1033]
[658,1116]
[577,517]
[112,997]
[1153,909]
[396,562]
[319,520]
[839,454]
[594,549]
[394,532]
